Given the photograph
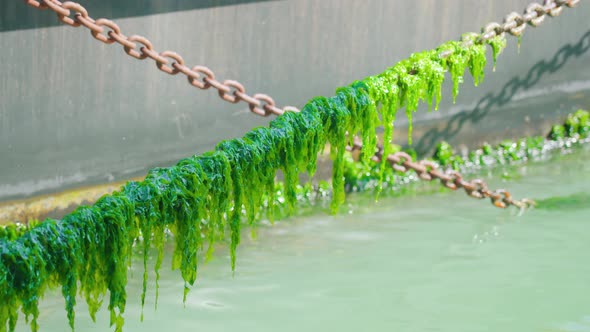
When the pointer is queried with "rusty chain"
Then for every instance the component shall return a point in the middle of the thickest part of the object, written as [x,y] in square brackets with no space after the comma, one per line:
[138,47]
[515,24]
[534,15]
[428,171]
[233,92]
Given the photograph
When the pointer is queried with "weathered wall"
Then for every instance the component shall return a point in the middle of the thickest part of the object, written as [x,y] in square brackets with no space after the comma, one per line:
[76,111]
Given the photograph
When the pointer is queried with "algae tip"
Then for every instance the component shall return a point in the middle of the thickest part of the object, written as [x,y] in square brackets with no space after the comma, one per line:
[577,201]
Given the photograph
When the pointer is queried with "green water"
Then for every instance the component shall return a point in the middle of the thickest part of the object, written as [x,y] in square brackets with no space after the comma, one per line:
[431,262]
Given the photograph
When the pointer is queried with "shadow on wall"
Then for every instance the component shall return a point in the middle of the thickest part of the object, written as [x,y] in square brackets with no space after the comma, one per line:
[541,68]
[16,15]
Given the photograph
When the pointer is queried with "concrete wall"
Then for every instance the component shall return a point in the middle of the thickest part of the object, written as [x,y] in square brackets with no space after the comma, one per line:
[74,111]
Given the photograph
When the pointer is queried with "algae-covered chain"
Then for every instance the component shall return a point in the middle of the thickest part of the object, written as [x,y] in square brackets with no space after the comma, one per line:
[65,245]
[428,171]
[363,177]
[202,198]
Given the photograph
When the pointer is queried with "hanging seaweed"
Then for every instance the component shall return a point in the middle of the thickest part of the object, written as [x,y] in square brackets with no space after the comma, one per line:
[204,197]
[366,176]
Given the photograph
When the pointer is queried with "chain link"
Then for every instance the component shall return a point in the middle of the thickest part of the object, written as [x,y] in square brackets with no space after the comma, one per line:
[429,171]
[534,15]
[232,91]
[138,47]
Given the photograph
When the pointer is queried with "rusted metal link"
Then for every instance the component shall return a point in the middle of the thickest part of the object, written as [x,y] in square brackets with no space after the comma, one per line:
[36,4]
[429,171]
[108,32]
[534,14]
[234,92]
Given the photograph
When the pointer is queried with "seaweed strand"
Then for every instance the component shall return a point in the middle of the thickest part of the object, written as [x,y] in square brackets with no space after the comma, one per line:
[203,198]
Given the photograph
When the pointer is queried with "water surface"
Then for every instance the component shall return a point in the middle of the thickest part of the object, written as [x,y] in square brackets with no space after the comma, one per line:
[433,262]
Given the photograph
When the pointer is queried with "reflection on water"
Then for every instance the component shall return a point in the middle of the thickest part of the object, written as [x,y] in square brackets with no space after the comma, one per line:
[438,262]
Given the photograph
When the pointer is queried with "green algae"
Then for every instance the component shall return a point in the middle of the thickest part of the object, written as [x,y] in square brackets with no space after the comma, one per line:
[88,251]
[576,201]
[11,232]
[203,198]
[576,127]
[477,58]
[498,44]
[364,177]
[577,124]
[196,200]
[514,151]
[446,157]
[457,62]
[420,78]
